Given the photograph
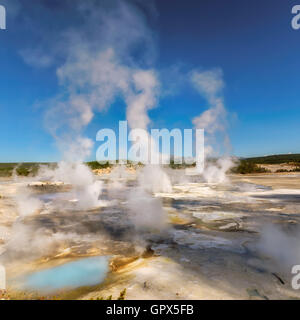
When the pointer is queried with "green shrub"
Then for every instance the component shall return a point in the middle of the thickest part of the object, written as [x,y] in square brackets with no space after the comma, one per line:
[245,167]
[97,165]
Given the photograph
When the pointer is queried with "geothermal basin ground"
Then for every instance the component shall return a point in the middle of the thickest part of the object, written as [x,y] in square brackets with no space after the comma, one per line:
[232,240]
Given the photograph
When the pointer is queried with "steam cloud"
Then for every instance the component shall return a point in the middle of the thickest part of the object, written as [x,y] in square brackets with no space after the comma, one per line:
[214,120]
[108,56]
[283,247]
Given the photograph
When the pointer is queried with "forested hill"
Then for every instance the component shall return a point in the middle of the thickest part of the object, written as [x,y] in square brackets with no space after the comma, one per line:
[276,159]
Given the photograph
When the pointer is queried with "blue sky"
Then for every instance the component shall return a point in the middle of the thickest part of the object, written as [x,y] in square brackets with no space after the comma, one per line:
[251,41]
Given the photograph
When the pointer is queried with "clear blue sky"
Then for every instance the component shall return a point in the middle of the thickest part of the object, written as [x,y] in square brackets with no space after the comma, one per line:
[250,40]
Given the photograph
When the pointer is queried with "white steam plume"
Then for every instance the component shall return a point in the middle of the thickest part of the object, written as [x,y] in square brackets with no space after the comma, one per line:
[27,204]
[151,178]
[100,65]
[145,211]
[214,121]
[147,84]
[282,247]
[86,189]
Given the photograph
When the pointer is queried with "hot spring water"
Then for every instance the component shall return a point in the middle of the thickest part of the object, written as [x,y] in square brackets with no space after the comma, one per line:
[84,272]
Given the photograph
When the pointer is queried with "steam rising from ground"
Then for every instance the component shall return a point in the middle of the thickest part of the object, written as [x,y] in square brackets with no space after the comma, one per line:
[26,242]
[154,179]
[282,246]
[97,63]
[86,189]
[214,120]
[27,204]
[145,211]
[216,173]
[97,72]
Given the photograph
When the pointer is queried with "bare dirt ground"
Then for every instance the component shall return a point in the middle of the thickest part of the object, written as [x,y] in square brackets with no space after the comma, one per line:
[212,248]
[273,168]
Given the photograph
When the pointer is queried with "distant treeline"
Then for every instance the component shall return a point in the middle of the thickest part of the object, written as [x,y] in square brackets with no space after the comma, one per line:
[94,165]
[251,165]
[243,166]
[276,159]
[31,168]
[246,166]
[23,169]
